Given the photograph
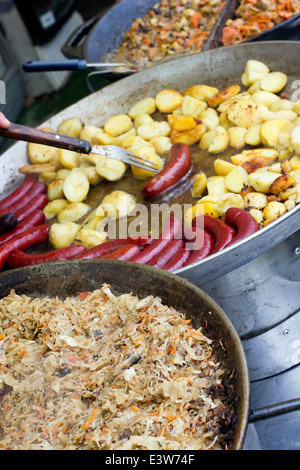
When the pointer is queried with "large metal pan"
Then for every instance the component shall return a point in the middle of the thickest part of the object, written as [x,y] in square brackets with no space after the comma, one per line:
[65,279]
[216,67]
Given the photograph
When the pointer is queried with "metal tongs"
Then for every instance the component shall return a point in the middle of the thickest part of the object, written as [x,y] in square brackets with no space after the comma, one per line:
[29,134]
[75,64]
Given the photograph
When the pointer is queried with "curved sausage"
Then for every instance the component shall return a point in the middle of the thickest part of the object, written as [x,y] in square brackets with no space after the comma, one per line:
[166,254]
[24,241]
[112,245]
[124,253]
[202,252]
[37,202]
[17,194]
[36,188]
[221,232]
[18,259]
[34,219]
[178,260]
[175,169]
[242,222]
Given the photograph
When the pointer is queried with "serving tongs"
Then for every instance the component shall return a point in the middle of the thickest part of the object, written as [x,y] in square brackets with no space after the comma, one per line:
[29,134]
[75,64]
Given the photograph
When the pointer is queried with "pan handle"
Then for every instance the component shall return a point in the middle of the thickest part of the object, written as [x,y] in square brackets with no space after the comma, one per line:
[74,46]
[274,410]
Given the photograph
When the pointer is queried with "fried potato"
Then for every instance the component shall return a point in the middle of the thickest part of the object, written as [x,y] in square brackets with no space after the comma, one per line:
[92,175]
[116,205]
[47,176]
[102,138]
[155,129]
[144,106]
[252,136]
[270,131]
[206,139]
[261,180]
[216,186]
[273,82]
[268,155]
[36,169]
[168,100]
[219,141]
[141,119]
[255,199]
[162,144]
[223,95]
[265,97]
[109,168]
[192,106]
[71,127]
[90,238]
[229,200]
[68,158]
[62,235]
[244,113]
[222,167]
[88,131]
[281,183]
[54,207]
[182,122]
[76,186]
[273,210]
[210,118]
[72,212]
[149,155]
[199,184]
[189,137]
[117,125]
[201,92]
[255,70]
[236,180]
[237,136]
[55,189]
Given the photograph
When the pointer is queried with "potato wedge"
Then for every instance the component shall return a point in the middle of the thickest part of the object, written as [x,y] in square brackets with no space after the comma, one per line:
[281,183]
[90,238]
[93,221]
[162,144]
[47,176]
[255,70]
[236,180]
[102,138]
[256,214]
[210,118]
[201,92]
[225,105]
[273,82]
[262,179]
[72,212]
[222,167]
[168,100]
[199,184]
[190,137]
[141,119]
[223,95]
[123,137]
[144,106]
[182,122]
[237,136]
[117,125]
[252,136]
[219,141]
[206,139]
[76,186]
[247,155]
[54,207]
[270,131]
[62,235]
[71,127]
[55,189]
[109,168]
[295,162]
[265,97]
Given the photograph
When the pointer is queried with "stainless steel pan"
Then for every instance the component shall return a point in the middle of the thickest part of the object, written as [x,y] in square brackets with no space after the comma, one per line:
[65,279]
[218,67]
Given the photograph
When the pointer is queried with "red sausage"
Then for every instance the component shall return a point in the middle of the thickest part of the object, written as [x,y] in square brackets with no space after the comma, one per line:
[37,188]
[164,256]
[17,194]
[124,253]
[177,167]
[179,260]
[221,232]
[17,258]
[38,202]
[204,251]
[170,230]
[110,246]
[242,222]
[34,219]
[24,241]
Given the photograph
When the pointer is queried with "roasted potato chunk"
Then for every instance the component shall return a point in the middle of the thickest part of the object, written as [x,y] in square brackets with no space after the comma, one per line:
[62,235]
[117,125]
[76,186]
[71,127]
[168,100]
[72,212]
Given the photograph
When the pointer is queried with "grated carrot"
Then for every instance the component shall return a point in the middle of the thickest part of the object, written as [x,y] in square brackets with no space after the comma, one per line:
[87,425]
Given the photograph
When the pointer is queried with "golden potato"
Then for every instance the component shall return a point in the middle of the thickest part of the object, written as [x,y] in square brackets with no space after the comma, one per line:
[236,180]
[117,125]
[141,119]
[54,207]
[265,97]
[273,210]
[244,113]
[117,204]
[167,100]
[216,186]
[190,137]
[237,136]
[192,106]
[102,138]
[109,168]
[281,183]
[55,189]
[62,235]
[71,127]
[162,144]
[210,118]
[222,167]
[229,200]
[273,82]
[201,92]
[76,186]
[262,179]
[219,141]
[206,139]
[223,95]
[68,158]
[144,106]
[270,131]
[199,184]
[255,70]
[47,176]
[149,155]
[90,238]
[155,129]
[36,169]
[269,155]
[252,136]
[88,131]
[72,212]
[182,122]
[255,199]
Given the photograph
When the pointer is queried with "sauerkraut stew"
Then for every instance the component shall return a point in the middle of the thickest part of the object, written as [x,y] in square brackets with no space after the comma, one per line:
[106,371]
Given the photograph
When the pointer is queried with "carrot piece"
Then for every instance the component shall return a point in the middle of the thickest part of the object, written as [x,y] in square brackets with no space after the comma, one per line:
[195,19]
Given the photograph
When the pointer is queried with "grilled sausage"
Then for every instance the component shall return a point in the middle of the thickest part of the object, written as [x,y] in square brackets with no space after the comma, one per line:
[17,194]
[221,232]
[242,222]
[18,258]
[36,218]
[177,167]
